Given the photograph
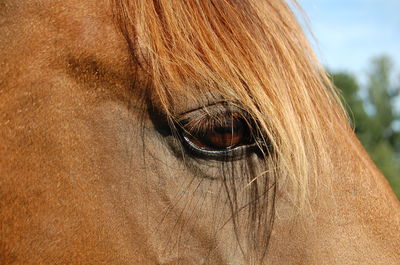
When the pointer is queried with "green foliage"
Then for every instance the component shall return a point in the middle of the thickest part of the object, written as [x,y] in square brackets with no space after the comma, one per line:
[375,117]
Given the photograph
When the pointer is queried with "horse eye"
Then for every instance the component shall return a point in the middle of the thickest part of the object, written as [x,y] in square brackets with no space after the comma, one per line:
[221,133]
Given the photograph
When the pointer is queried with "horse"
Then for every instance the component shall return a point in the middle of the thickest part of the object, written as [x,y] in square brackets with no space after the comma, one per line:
[179,132]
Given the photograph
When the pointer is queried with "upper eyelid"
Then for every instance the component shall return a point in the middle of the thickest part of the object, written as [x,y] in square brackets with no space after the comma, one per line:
[205,124]
[207,106]
[210,112]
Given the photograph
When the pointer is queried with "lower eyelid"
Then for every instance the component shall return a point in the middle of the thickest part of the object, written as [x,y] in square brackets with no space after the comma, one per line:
[232,154]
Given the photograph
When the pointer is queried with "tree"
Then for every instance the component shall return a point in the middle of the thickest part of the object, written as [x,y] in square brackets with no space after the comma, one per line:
[383,96]
[375,126]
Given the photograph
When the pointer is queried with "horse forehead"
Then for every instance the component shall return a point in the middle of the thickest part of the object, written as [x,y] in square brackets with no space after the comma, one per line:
[86,27]
[67,12]
[77,36]
[87,24]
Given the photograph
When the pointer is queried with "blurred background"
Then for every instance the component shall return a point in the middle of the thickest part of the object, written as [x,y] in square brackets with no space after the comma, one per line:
[358,41]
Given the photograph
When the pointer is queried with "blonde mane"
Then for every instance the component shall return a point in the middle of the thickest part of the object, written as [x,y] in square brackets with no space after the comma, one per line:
[251,52]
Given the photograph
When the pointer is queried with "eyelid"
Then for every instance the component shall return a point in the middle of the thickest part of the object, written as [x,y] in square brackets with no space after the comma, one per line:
[207,122]
[210,112]
[233,154]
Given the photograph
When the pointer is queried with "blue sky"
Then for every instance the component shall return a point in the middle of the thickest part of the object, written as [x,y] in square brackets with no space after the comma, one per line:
[350,32]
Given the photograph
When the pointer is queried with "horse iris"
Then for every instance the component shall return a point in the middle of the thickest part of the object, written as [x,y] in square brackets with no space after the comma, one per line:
[218,133]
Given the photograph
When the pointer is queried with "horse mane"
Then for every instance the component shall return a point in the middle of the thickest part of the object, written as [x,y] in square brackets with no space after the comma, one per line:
[250,52]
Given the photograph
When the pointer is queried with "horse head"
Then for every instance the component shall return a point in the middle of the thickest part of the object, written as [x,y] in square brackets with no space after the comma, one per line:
[179,132]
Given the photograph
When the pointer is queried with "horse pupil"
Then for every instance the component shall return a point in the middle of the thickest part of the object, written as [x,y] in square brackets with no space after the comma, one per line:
[225,137]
